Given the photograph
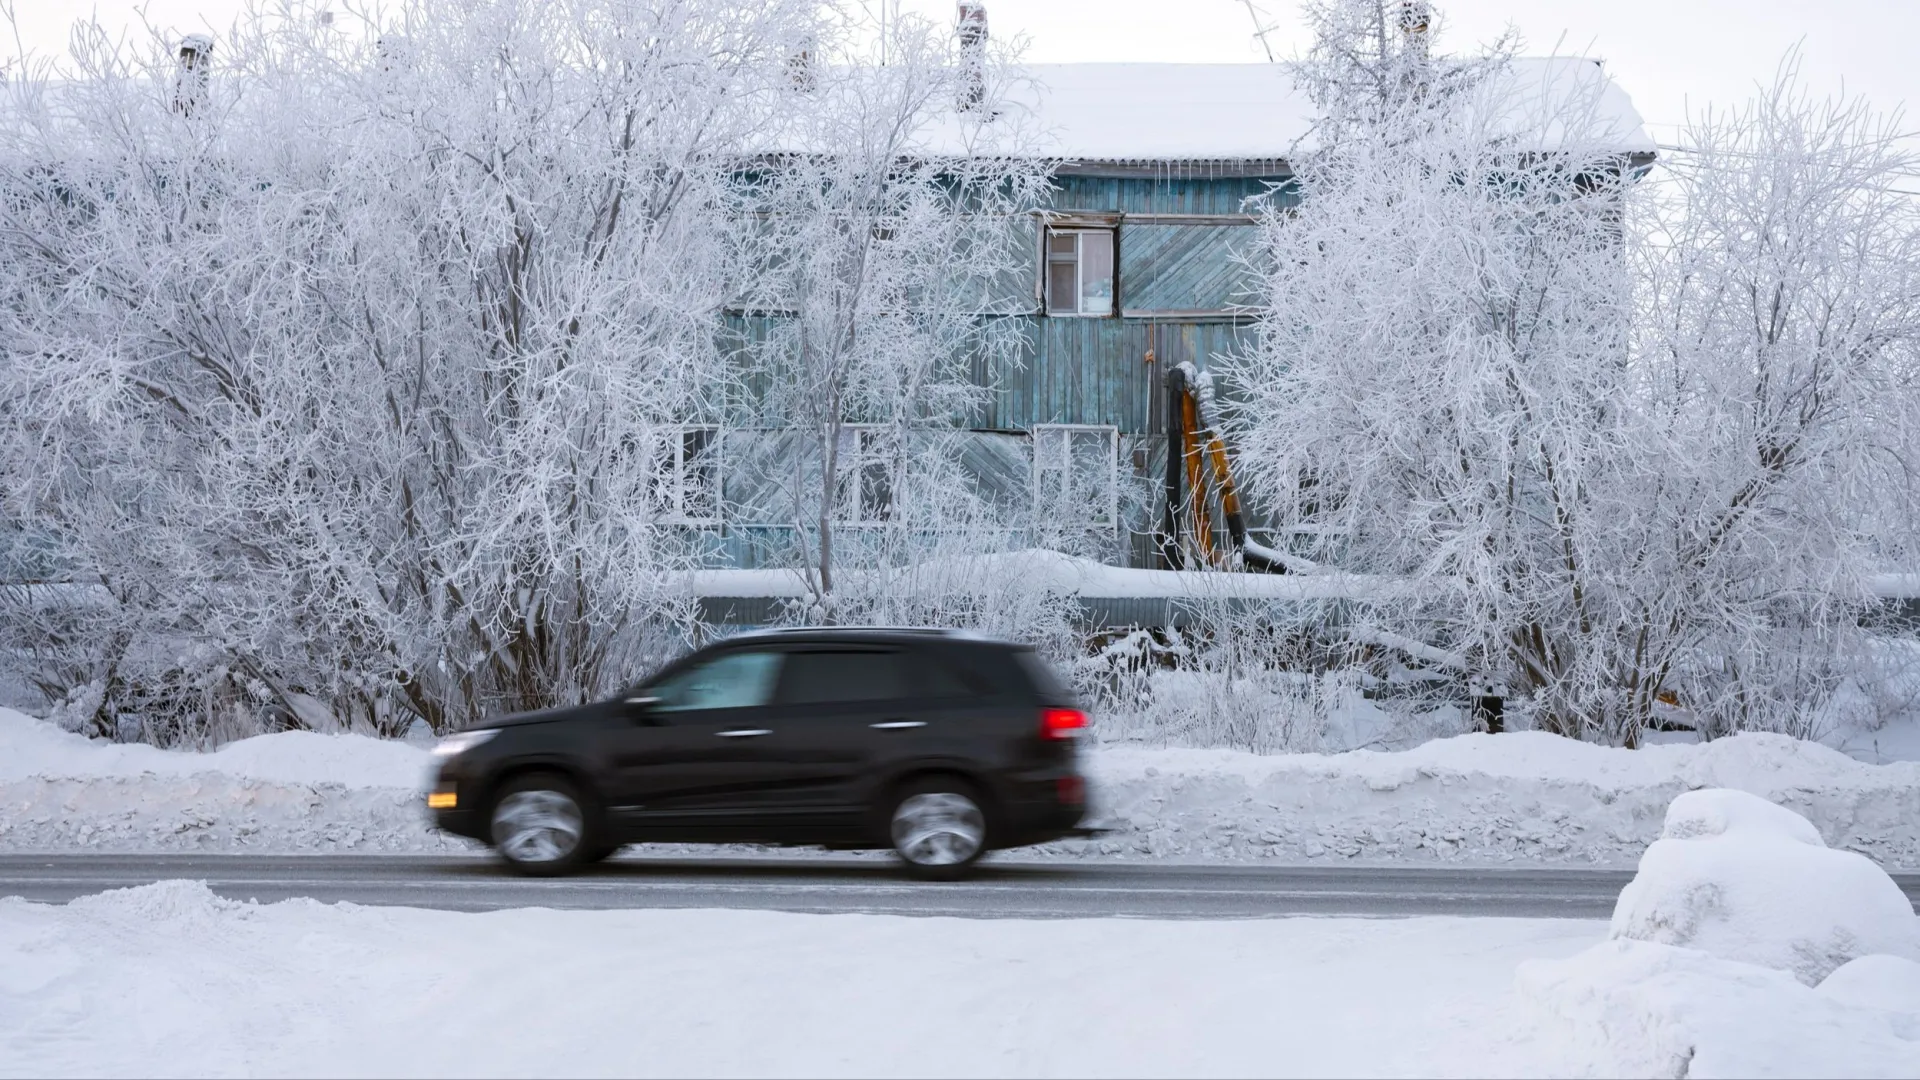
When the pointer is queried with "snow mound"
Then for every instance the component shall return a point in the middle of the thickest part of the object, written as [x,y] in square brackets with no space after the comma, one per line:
[1743,947]
[1639,1008]
[1888,983]
[1743,879]
[1718,811]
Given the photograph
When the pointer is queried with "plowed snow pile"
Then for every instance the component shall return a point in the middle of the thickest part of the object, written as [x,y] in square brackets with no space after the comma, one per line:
[1470,799]
[1743,947]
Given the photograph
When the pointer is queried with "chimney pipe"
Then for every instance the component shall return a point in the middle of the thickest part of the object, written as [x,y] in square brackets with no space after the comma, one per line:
[972,32]
[195,69]
[800,70]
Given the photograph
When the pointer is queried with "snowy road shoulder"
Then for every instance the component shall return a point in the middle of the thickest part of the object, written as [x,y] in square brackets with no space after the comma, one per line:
[1520,798]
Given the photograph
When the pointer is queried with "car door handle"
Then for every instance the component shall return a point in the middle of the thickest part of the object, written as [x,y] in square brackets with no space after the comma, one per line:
[898,725]
[745,732]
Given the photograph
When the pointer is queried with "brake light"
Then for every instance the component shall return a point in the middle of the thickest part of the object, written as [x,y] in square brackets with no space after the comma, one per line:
[1062,723]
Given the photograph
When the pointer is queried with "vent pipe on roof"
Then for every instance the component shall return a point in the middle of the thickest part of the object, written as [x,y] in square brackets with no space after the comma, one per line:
[193,77]
[801,74]
[1414,20]
[972,32]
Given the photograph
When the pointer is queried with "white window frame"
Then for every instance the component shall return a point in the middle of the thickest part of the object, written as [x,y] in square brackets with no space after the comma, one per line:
[669,496]
[1049,259]
[1057,458]
[853,457]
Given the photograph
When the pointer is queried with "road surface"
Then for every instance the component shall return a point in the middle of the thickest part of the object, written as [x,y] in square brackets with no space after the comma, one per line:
[1002,890]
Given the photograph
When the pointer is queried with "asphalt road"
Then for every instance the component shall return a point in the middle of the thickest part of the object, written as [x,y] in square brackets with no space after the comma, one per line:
[1001,890]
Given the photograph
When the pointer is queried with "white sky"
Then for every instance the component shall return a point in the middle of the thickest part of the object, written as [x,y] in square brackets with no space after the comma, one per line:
[1670,55]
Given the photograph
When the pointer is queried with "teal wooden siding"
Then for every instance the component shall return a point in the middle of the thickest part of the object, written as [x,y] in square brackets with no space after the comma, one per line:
[1094,371]
[1183,267]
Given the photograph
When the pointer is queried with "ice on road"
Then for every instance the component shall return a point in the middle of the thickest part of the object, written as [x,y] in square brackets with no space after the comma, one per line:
[169,979]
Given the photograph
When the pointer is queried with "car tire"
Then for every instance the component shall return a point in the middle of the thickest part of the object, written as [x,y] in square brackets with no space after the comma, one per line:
[540,824]
[938,827]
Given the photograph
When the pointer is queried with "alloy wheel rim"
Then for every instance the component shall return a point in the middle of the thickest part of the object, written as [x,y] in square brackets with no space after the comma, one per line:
[536,826]
[938,828]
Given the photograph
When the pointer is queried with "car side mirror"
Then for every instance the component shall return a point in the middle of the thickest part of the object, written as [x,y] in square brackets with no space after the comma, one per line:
[639,705]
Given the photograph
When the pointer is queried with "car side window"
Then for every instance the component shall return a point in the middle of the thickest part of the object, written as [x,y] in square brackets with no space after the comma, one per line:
[818,676]
[938,679]
[735,680]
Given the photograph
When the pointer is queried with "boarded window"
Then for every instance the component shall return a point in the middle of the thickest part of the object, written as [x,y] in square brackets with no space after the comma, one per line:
[1184,268]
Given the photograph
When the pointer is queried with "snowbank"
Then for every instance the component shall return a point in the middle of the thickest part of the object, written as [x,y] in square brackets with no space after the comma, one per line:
[1743,947]
[169,980]
[1486,798]
[1474,798]
[1740,878]
[291,792]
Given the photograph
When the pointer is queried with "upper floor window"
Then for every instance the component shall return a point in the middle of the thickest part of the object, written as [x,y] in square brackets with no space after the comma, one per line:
[1079,271]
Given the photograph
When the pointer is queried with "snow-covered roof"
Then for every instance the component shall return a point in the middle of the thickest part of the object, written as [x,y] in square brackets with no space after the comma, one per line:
[1144,113]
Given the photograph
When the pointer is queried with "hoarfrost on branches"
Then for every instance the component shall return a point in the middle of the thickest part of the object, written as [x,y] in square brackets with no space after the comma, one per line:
[1645,440]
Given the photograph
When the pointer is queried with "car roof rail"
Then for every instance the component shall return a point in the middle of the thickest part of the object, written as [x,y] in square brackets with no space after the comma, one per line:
[863,629]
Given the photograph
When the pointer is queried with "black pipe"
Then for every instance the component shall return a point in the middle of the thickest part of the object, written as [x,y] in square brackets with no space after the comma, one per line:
[1176,383]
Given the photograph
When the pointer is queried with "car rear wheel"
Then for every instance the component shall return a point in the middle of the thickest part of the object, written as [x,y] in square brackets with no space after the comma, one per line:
[938,827]
[539,825]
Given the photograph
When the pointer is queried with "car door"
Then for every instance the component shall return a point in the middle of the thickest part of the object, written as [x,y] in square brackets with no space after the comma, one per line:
[698,758]
[843,708]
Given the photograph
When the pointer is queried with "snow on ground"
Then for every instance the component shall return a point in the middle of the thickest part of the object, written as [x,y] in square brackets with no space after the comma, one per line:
[1523,796]
[1707,970]
[169,980]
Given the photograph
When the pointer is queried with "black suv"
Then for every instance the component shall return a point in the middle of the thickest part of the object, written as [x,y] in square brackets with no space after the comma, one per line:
[940,746]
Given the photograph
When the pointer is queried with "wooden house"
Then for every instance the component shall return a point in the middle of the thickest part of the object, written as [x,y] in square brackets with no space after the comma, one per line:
[1138,266]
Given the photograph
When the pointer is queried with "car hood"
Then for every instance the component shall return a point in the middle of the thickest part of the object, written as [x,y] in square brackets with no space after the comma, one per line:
[548,716]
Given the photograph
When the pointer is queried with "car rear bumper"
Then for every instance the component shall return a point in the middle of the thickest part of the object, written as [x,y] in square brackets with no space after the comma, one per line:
[1042,811]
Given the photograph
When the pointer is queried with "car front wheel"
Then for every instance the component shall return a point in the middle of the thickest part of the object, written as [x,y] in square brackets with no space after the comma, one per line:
[539,825]
[939,828]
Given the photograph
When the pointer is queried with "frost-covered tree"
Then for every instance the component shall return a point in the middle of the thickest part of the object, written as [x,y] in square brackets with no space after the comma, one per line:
[1640,444]
[1778,379]
[336,358]
[1440,366]
[892,221]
